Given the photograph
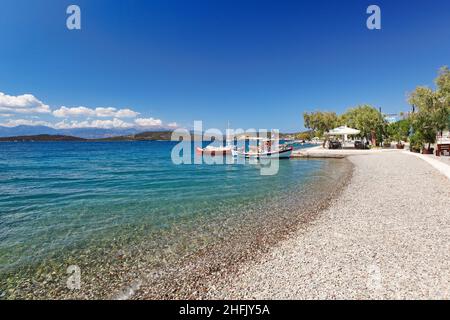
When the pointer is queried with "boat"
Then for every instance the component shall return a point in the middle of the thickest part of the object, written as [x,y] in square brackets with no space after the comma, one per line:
[220,150]
[281,154]
[265,150]
[213,151]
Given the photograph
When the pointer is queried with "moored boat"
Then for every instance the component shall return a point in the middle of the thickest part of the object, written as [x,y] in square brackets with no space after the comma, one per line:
[282,153]
[265,148]
[213,151]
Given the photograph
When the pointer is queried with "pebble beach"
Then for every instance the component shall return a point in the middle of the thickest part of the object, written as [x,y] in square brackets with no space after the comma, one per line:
[386,236]
[376,227]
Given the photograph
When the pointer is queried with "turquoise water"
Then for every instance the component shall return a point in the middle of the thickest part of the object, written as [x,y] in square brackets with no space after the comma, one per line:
[58,200]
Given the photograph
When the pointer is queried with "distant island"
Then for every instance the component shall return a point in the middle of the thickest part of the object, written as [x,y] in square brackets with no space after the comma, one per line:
[41,137]
[143,136]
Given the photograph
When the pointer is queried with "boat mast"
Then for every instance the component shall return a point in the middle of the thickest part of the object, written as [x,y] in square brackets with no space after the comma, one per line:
[228,141]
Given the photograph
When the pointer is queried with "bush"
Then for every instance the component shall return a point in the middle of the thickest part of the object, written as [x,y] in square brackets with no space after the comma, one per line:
[416,142]
[399,131]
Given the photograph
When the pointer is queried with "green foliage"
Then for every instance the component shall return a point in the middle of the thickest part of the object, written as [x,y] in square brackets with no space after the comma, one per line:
[398,131]
[320,122]
[443,96]
[432,113]
[307,135]
[424,127]
[433,108]
[416,142]
[367,119]
[432,116]
[443,87]
[423,98]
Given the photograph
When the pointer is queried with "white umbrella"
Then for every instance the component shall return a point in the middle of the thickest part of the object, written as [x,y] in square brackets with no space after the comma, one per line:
[342,131]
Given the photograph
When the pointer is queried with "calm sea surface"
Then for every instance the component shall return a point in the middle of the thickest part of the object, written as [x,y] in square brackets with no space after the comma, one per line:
[62,202]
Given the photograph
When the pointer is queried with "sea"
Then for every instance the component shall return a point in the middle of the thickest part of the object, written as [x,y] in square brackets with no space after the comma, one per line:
[113,209]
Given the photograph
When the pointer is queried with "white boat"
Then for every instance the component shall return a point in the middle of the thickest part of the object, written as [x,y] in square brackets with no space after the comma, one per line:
[282,151]
[213,151]
[219,150]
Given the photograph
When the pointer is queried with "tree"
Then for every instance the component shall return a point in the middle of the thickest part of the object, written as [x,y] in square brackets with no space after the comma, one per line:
[415,142]
[367,119]
[399,131]
[443,96]
[424,128]
[443,85]
[433,108]
[320,122]
[306,135]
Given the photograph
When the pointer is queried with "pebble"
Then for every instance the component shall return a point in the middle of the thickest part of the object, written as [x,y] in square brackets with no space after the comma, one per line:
[386,237]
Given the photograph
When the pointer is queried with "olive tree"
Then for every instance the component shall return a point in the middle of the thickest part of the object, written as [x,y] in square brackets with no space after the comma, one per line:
[433,108]
[399,131]
[443,96]
[320,122]
[367,119]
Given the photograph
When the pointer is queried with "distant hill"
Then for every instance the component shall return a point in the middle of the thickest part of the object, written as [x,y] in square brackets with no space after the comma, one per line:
[87,133]
[25,131]
[131,134]
[41,137]
[143,136]
[302,135]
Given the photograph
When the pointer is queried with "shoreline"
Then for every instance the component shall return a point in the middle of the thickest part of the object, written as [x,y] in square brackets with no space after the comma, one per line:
[331,246]
[136,266]
[196,274]
[389,242]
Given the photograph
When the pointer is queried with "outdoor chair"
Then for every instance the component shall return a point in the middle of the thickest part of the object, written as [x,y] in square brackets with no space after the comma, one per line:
[441,148]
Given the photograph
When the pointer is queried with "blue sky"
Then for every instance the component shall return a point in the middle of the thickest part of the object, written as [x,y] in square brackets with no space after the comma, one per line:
[255,63]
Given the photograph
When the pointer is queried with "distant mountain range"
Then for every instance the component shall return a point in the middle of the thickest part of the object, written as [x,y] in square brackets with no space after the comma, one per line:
[43,133]
[41,137]
[144,136]
[88,133]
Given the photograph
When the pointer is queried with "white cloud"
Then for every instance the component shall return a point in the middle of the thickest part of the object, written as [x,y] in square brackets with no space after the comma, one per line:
[101,124]
[65,112]
[105,112]
[25,122]
[126,113]
[98,124]
[26,103]
[108,124]
[71,124]
[148,122]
